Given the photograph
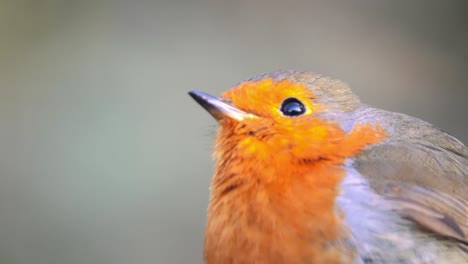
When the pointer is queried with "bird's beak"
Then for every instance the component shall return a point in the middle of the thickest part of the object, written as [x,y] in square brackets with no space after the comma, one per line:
[219,108]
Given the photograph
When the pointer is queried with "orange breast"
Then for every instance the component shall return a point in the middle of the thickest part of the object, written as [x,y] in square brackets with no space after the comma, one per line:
[273,198]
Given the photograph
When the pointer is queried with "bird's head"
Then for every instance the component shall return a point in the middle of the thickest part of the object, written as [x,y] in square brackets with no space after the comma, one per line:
[296,114]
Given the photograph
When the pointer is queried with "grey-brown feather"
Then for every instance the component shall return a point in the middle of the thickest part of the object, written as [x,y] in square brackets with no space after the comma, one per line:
[422,169]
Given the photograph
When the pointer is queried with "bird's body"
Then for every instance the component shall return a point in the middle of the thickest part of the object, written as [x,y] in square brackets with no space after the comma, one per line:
[305,173]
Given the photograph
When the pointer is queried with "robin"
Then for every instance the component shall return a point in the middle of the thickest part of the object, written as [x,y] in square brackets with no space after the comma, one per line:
[306,173]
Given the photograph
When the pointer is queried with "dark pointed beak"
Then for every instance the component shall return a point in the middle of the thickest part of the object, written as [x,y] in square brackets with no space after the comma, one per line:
[219,108]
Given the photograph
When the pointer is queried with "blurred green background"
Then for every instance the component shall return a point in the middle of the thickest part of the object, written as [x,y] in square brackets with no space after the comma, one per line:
[104,158]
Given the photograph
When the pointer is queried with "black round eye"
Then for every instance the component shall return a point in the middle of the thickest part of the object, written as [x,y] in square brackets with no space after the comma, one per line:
[292,107]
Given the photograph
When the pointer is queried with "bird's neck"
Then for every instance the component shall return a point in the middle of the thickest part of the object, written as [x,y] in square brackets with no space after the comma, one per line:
[273,199]
[274,210]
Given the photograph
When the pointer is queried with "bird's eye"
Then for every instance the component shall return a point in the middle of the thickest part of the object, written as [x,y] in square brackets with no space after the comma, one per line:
[292,107]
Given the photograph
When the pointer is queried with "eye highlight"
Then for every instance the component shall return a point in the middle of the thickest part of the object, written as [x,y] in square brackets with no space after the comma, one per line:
[292,107]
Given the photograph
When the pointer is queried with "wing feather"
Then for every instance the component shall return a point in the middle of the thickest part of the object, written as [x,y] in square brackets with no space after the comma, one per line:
[422,170]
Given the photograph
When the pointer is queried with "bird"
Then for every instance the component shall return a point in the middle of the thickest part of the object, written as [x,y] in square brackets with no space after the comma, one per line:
[306,173]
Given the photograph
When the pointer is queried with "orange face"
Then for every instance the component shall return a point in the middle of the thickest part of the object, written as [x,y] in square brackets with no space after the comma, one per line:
[301,136]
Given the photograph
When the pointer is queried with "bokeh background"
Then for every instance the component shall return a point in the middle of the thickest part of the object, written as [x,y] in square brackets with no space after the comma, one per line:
[104,158]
